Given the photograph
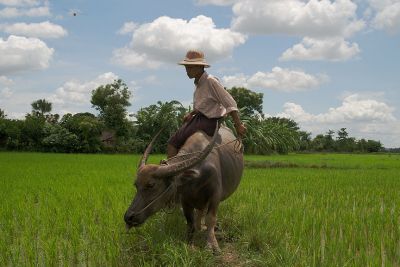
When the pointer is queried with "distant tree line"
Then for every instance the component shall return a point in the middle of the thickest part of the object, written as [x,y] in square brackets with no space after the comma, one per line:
[112,131]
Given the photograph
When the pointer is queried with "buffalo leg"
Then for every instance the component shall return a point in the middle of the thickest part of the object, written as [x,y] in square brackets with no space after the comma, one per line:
[189,215]
[199,215]
[211,222]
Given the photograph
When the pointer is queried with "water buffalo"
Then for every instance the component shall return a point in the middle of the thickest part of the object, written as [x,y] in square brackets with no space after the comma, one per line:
[205,172]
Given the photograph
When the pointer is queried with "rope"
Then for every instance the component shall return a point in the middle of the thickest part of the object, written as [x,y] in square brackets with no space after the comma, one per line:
[154,200]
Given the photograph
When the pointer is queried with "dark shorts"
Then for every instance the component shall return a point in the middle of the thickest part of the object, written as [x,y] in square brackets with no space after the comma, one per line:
[198,122]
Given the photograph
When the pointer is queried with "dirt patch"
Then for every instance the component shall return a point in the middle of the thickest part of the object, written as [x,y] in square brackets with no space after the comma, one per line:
[229,257]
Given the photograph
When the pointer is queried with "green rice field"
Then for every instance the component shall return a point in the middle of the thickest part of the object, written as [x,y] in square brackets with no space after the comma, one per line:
[290,210]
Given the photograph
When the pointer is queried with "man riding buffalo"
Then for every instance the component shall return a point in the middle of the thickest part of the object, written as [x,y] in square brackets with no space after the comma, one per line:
[211,102]
[200,171]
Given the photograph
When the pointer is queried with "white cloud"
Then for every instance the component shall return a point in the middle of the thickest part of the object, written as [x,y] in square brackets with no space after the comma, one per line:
[77,93]
[278,79]
[9,12]
[129,58]
[314,18]
[128,27]
[323,24]
[19,2]
[237,80]
[353,108]
[363,118]
[12,12]
[21,54]
[387,15]
[166,40]
[44,29]
[333,49]
[5,81]
[6,93]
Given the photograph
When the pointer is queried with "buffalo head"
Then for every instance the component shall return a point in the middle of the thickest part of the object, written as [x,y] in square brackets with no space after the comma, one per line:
[155,185]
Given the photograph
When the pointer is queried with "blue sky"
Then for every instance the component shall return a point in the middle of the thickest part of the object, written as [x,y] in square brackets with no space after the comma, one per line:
[325,64]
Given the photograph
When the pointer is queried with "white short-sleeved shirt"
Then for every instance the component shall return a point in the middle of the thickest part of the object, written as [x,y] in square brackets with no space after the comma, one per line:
[211,98]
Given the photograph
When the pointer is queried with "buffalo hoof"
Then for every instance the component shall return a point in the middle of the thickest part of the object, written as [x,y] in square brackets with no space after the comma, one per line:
[214,248]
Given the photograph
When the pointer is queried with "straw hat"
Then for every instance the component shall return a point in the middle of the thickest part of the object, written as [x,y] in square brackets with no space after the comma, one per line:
[194,57]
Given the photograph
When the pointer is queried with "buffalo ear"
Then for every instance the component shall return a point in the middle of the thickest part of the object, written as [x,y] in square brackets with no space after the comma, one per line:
[187,176]
[192,173]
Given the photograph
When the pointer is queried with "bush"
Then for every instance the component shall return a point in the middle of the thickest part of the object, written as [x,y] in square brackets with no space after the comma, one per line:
[59,139]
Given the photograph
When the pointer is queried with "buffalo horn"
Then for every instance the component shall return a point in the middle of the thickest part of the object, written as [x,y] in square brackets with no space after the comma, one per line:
[146,153]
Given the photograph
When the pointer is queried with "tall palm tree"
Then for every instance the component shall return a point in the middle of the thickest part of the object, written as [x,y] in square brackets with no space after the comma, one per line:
[41,106]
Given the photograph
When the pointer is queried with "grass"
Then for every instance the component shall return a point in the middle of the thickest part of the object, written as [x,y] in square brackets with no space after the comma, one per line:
[293,210]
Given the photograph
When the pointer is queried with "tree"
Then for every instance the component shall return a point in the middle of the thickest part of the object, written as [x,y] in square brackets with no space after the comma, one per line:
[318,143]
[11,133]
[269,135]
[329,142]
[342,140]
[374,146]
[342,134]
[263,135]
[52,118]
[2,114]
[248,101]
[290,124]
[111,101]
[59,139]
[305,140]
[40,107]
[86,127]
[163,115]
[285,132]
[32,131]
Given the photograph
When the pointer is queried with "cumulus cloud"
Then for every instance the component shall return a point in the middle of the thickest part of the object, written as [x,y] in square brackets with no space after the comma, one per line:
[165,40]
[333,49]
[279,79]
[363,117]
[44,29]
[353,108]
[128,27]
[237,80]
[5,81]
[19,2]
[323,24]
[387,15]
[129,58]
[5,93]
[74,93]
[21,54]
[12,12]
[314,18]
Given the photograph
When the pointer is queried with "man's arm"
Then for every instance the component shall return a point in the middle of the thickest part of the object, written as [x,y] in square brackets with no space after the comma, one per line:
[229,103]
[239,126]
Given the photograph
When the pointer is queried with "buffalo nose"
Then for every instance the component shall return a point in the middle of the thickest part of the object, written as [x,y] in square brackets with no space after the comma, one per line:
[127,218]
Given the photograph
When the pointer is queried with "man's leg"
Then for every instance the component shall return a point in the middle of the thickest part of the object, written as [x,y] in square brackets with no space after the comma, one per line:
[171,151]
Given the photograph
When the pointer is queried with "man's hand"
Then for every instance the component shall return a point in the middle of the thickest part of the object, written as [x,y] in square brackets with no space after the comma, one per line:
[240,129]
